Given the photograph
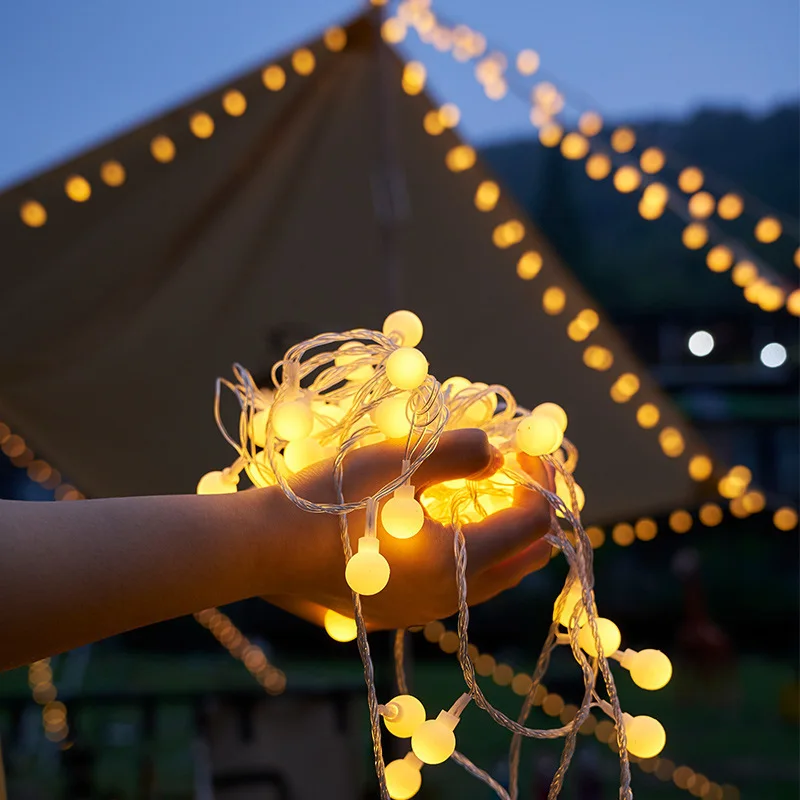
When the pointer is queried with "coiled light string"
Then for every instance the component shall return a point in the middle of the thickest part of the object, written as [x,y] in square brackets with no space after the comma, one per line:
[363,387]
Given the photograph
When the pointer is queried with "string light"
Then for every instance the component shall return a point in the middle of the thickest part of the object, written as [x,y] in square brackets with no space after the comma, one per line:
[527,62]
[598,166]
[701,205]
[303,61]
[719,258]
[694,236]
[730,206]
[690,180]
[768,229]
[529,265]
[112,173]
[414,75]
[393,30]
[78,188]
[590,123]
[553,300]
[201,125]
[274,78]
[33,214]
[627,179]
[234,103]
[652,160]
[623,140]
[460,158]
[574,146]
[335,39]
[550,134]
[648,415]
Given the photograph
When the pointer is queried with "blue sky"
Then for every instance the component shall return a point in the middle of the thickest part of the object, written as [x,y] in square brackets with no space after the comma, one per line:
[73,73]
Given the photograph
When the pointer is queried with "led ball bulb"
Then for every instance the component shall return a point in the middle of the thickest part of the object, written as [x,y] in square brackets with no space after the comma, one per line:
[562,490]
[403,777]
[408,715]
[292,419]
[554,411]
[481,411]
[367,571]
[260,472]
[391,416]
[217,482]
[362,373]
[609,634]
[452,386]
[260,427]
[406,368]
[339,627]
[539,435]
[650,669]
[302,453]
[646,736]
[434,741]
[405,323]
[402,516]
[572,599]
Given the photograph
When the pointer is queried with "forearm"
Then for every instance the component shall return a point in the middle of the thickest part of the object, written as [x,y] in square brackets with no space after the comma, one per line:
[73,573]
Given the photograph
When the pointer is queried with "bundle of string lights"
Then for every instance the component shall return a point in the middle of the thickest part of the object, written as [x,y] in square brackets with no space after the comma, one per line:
[341,391]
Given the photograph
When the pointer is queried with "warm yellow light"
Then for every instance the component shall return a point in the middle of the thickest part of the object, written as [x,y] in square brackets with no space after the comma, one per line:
[785,519]
[335,39]
[701,205]
[680,521]
[771,298]
[555,412]
[414,75]
[303,61]
[608,633]
[650,210]
[273,78]
[407,714]
[753,502]
[553,704]
[646,736]
[402,516]
[598,166]
[650,669]
[361,373]
[574,146]
[562,490]
[597,536]
[571,599]
[293,419]
[234,103]
[527,62]
[590,123]
[503,674]
[671,442]
[700,468]
[719,258]
[486,195]
[406,368]
[339,627]
[793,303]
[449,115]
[578,331]
[367,571]
[403,778]
[539,435]
[201,125]
[509,233]
[625,387]
[645,529]
[112,173]
[744,274]
[796,258]
[656,194]
[623,534]
[710,514]
[730,206]
[302,453]
[737,509]
[432,123]
[627,179]
[597,357]
[690,180]
[496,90]
[548,98]
[529,265]
[217,482]
[652,160]
[406,325]
[393,30]
[550,134]
[694,235]
[623,140]
[768,229]
[553,300]
[521,684]
[33,214]
[78,188]
[460,158]
[434,742]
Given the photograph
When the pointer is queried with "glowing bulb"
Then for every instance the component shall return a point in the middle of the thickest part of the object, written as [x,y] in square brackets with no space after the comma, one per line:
[539,435]
[201,125]
[646,736]
[405,323]
[554,411]
[773,355]
[482,410]
[162,149]
[573,597]
[608,632]
[574,146]
[403,777]
[362,373]
[402,516]
[218,482]
[406,368]
[293,419]
[486,195]
[730,206]
[391,416]
[112,173]
[339,627]
[407,715]
[598,166]
[701,205]
[367,571]
[335,39]
[273,78]
[719,258]
[694,235]
[590,123]
[623,140]
[701,343]
[303,61]
[434,741]
[302,453]
[78,188]
[690,180]
[650,669]
[700,468]
[562,490]
[652,160]
[33,214]
[627,179]
[768,229]
[527,62]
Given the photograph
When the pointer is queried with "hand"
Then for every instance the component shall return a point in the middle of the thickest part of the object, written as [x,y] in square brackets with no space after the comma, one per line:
[501,549]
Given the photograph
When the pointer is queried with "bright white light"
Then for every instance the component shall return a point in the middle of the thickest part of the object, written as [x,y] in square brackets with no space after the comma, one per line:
[773,354]
[701,343]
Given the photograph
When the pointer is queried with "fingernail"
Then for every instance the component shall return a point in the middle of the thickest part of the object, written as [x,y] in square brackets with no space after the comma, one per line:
[494,464]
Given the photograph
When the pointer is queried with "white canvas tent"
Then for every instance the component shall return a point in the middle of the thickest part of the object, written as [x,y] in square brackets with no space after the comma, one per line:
[319,208]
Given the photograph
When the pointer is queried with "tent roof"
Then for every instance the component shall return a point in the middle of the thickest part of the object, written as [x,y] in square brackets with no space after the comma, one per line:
[118,314]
